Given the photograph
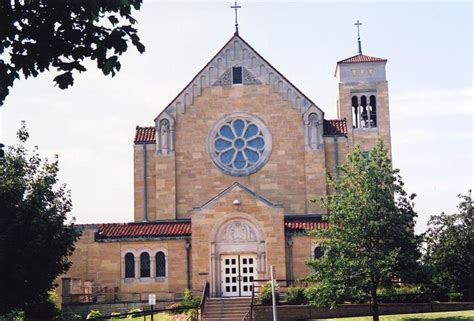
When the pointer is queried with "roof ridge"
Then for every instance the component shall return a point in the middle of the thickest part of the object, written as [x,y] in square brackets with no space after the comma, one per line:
[359,58]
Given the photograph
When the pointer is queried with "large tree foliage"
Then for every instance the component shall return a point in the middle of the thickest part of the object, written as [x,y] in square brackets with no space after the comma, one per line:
[450,249]
[35,242]
[36,35]
[370,242]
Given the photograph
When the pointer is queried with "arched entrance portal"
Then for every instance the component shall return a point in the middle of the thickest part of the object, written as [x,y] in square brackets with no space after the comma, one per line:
[237,255]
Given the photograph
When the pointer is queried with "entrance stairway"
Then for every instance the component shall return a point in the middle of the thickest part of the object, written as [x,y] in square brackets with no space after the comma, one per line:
[226,309]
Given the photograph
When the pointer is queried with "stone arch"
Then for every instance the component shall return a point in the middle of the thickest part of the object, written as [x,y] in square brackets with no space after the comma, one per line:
[235,233]
[165,127]
[313,128]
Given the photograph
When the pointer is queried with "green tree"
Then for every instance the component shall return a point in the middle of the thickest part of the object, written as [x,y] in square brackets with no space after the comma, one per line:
[370,242]
[35,242]
[450,249]
[36,35]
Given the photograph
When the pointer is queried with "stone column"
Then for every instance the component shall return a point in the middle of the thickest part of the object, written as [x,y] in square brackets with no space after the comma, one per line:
[152,266]
[137,267]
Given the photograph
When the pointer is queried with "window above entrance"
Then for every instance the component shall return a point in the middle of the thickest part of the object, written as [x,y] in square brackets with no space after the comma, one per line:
[240,144]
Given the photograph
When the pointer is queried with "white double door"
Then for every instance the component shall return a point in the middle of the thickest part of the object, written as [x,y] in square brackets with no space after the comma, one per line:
[237,274]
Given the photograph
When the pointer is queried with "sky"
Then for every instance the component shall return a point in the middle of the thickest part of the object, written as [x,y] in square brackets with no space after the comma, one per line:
[430,68]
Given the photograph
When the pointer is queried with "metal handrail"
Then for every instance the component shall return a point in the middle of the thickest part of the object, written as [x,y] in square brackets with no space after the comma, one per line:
[205,295]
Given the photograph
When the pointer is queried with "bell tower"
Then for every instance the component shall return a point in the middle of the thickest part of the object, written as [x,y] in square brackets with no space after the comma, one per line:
[363,98]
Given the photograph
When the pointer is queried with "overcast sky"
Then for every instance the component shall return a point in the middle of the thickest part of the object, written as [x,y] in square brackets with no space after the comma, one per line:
[428,47]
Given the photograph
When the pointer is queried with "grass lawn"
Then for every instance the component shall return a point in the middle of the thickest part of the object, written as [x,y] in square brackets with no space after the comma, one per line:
[436,316]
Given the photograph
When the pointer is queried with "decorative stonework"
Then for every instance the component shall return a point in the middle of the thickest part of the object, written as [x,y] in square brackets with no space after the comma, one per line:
[247,78]
[165,128]
[239,144]
[225,79]
[313,129]
[237,231]
[255,70]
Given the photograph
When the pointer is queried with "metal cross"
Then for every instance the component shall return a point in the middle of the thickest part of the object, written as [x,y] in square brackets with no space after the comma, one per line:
[235,6]
[358,23]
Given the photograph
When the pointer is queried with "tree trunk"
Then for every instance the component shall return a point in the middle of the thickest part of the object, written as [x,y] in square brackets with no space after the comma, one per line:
[375,304]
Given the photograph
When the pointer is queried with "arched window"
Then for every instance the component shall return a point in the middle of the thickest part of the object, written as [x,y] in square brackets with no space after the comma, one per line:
[364,110]
[160,260]
[129,265]
[144,265]
[364,115]
[355,107]
[373,111]
[318,252]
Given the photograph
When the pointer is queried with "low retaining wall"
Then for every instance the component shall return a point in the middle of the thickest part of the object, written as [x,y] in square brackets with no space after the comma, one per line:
[107,308]
[304,312]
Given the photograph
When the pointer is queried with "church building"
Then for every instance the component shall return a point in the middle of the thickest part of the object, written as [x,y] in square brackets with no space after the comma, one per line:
[224,180]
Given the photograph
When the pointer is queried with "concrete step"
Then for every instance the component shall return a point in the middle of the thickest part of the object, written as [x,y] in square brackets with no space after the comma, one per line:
[227,315]
[229,311]
[222,306]
[228,300]
[226,309]
[222,319]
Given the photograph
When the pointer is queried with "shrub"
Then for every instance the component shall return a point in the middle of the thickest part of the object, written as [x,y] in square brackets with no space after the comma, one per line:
[402,294]
[74,317]
[14,315]
[117,313]
[93,314]
[45,310]
[190,301]
[265,293]
[295,295]
[455,297]
[135,312]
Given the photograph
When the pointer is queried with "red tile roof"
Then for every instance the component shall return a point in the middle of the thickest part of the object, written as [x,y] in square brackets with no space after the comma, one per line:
[300,223]
[144,230]
[335,127]
[144,135]
[176,229]
[361,58]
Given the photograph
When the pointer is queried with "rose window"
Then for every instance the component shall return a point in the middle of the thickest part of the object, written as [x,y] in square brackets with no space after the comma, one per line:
[240,144]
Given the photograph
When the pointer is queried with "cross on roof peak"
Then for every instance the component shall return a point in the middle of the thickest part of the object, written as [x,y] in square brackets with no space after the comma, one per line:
[236,7]
[358,24]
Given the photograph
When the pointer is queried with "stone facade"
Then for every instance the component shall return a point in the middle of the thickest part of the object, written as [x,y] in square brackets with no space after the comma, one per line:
[197,213]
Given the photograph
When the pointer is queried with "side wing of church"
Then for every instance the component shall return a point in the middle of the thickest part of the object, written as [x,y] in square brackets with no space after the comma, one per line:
[223,180]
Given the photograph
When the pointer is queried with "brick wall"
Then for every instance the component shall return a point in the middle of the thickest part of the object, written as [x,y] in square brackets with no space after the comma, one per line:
[294,313]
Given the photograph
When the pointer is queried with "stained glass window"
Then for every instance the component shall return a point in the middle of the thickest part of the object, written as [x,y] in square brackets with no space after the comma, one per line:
[160,264]
[145,265]
[129,265]
[240,145]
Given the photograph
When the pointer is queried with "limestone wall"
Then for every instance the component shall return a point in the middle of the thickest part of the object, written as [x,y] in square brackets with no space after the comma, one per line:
[101,264]
[268,221]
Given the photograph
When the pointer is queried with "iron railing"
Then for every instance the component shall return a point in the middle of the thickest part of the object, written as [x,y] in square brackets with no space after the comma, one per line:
[111,295]
[193,314]
[205,295]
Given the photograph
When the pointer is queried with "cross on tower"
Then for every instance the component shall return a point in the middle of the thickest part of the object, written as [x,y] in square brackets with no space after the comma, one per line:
[358,23]
[235,6]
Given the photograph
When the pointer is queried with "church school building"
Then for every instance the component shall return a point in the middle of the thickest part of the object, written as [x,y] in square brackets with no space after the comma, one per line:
[224,180]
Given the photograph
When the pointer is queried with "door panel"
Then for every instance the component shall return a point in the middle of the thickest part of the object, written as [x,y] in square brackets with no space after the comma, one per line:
[247,274]
[237,274]
[230,275]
